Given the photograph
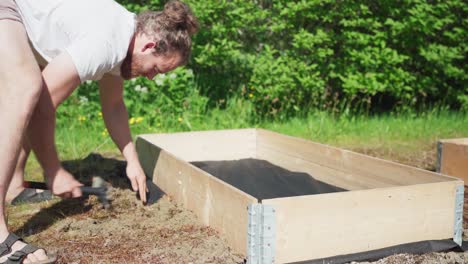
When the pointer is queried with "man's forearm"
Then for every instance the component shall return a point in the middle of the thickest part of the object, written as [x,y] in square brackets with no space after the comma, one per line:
[60,79]
[41,133]
[116,120]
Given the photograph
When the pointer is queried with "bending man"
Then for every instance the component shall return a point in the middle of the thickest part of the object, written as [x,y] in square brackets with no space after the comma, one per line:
[74,43]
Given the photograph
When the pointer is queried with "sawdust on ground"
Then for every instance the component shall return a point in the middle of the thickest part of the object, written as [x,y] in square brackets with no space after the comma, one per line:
[81,231]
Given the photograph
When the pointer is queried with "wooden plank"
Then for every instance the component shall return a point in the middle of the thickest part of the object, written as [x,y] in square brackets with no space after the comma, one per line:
[320,226]
[207,145]
[458,141]
[391,172]
[357,167]
[147,154]
[216,203]
[325,174]
[454,158]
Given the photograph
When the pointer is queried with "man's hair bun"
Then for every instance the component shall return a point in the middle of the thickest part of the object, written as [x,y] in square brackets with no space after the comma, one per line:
[178,16]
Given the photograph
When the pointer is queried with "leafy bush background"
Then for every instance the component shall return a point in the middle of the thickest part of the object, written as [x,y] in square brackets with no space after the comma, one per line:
[278,59]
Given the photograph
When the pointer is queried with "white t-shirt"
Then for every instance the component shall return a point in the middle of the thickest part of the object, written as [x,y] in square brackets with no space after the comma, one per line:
[95,33]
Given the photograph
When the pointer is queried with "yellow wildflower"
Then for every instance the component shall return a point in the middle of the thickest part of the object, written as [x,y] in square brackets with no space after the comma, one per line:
[138,119]
[251,95]
[100,114]
[180,119]
[81,118]
[132,121]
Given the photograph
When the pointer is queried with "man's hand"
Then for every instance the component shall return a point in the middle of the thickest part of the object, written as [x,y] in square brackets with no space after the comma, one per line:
[137,178]
[63,184]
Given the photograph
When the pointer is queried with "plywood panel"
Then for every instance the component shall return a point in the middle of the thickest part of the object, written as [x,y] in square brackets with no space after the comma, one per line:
[216,203]
[458,141]
[388,171]
[325,174]
[147,154]
[319,226]
[360,168]
[454,158]
[207,145]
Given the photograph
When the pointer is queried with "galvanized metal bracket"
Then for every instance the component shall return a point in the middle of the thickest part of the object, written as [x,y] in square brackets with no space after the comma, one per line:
[261,234]
[458,225]
[439,156]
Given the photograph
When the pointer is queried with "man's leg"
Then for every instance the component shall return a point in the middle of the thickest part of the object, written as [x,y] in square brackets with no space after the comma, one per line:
[20,87]
[17,182]
[18,192]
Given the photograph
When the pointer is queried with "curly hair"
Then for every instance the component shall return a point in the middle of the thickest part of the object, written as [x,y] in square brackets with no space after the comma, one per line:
[172,28]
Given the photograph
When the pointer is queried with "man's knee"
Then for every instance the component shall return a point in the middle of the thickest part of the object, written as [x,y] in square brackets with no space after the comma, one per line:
[32,91]
[24,91]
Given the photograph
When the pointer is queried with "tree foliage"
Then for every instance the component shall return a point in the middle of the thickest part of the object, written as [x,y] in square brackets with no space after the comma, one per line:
[288,57]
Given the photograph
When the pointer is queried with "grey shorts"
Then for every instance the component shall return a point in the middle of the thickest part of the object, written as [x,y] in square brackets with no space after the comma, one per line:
[9,10]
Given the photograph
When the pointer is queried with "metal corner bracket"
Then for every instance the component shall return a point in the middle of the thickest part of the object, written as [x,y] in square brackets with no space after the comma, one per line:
[458,225]
[261,234]
[439,157]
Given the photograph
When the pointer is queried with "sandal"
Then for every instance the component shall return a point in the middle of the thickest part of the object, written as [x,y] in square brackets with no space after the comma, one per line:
[18,256]
[30,195]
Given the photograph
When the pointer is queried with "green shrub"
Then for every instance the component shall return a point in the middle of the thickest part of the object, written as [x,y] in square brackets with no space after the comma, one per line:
[288,58]
[304,54]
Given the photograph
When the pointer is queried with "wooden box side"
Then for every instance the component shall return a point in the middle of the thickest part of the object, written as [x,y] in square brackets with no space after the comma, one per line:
[326,225]
[207,145]
[458,141]
[453,157]
[215,203]
[343,168]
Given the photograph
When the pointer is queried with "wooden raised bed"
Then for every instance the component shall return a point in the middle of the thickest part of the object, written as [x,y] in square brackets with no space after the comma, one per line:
[452,156]
[386,204]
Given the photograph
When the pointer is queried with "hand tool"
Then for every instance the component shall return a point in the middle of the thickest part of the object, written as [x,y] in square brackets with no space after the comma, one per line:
[100,191]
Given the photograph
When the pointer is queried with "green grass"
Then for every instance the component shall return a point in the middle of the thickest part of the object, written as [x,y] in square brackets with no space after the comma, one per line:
[406,130]
[409,138]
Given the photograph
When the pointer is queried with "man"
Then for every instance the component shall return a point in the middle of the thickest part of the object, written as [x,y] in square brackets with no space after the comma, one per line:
[75,41]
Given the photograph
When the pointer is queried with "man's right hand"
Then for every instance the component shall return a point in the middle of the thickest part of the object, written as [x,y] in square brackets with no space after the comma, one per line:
[63,184]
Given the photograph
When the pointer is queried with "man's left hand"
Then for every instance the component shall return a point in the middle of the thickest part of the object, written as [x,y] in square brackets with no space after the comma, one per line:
[137,178]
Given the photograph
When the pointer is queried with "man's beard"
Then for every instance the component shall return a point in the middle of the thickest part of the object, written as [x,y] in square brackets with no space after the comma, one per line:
[129,67]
